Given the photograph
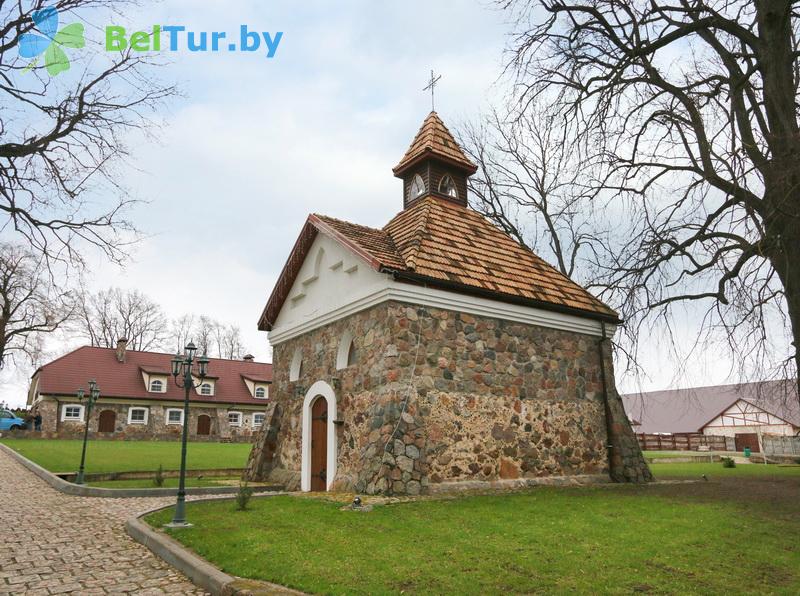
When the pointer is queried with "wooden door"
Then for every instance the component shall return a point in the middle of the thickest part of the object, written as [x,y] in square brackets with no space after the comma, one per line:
[742,440]
[319,444]
[107,421]
[203,425]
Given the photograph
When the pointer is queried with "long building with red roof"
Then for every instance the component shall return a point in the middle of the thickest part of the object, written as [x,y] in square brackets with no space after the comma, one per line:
[139,399]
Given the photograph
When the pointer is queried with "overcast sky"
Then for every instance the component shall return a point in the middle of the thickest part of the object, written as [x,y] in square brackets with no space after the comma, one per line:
[256,144]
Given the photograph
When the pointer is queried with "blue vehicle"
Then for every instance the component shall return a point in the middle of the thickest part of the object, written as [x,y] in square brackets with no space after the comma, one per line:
[8,421]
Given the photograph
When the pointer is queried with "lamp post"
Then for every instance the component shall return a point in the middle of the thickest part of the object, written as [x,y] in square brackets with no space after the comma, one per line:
[91,397]
[182,374]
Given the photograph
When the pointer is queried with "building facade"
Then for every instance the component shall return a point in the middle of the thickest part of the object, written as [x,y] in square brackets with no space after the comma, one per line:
[436,352]
[745,412]
[139,400]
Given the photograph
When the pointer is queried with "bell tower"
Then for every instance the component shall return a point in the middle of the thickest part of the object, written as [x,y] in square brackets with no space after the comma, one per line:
[434,165]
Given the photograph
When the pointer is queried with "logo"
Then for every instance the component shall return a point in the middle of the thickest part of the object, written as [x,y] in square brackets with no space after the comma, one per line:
[177,36]
[51,42]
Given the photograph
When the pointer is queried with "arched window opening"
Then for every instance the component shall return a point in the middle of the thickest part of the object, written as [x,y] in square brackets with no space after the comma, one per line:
[156,386]
[448,187]
[297,365]
[416,188]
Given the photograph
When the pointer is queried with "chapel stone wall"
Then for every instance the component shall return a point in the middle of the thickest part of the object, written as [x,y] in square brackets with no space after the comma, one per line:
[437,396]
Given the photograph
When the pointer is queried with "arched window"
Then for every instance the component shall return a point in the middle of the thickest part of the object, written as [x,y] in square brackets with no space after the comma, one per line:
[205,389]
[156,386]
[416,188]
[351,354]
[448,187]
[346,354]
[296,366]
[261,392]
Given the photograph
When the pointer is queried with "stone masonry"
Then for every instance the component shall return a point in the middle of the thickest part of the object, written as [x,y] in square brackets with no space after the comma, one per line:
[437,396]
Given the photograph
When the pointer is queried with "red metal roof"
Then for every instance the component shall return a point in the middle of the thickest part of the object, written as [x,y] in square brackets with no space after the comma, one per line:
[65,375]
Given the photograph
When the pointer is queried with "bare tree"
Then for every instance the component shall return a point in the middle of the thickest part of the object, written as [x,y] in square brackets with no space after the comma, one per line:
[61,136]
[229,342]
[204,332]
[112,314]
[181,329]
[689,110]
[530,182]
[209,335]
[30,305]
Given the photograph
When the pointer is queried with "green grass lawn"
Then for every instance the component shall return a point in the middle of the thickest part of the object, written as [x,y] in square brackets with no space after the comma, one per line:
[126,456]
[168,482]
[696,538]
[716,471]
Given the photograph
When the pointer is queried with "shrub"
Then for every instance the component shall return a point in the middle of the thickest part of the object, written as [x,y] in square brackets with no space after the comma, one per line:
[727,462]
[158,479]
[243,496]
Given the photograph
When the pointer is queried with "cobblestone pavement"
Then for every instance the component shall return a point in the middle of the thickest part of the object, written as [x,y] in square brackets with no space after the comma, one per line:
[52,543]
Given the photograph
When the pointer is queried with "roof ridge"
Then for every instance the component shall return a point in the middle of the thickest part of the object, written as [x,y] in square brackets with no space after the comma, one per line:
[349,223]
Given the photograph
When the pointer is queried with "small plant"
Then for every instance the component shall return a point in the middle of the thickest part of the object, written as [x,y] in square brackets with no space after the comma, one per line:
[727,462]
[158,479]
[243,496]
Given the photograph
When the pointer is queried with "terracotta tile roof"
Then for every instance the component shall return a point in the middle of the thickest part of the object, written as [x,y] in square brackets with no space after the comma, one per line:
[438,242]
[434,140]
[65,375]
[689,410]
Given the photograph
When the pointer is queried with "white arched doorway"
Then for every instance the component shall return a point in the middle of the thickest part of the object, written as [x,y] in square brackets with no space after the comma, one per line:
[320,389]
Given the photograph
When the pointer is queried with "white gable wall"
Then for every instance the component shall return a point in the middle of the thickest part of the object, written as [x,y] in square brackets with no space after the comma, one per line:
[334,283]
[744,417]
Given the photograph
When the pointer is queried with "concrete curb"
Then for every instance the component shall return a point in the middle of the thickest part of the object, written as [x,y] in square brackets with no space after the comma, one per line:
[200,571]
[68,488]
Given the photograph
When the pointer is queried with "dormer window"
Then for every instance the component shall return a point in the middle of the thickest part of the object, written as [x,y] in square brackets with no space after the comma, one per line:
[205,389]
[417,188]
[157,386]
[261,392]
[448,187]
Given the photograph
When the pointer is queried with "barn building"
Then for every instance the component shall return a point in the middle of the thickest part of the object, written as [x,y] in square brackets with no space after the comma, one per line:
[436,352]
[743,412]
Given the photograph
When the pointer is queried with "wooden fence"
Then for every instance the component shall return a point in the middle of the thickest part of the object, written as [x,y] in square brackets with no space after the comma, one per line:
[684,442]
[777,445]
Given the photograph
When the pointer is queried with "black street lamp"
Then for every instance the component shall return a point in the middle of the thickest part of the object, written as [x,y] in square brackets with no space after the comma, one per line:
[183,366]
[91,398]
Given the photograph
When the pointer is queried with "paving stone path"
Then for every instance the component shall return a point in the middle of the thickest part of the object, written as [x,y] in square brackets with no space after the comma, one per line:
[52,543]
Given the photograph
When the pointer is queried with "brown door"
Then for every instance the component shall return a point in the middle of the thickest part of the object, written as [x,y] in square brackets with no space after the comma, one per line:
[203,425]
[107,421]
[743,440]
[319,444]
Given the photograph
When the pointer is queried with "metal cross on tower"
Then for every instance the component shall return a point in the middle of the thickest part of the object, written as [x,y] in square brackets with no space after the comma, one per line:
[432,86]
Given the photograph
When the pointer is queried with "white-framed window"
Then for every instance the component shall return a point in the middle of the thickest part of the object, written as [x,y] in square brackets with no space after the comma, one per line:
[262,392]
[448,187]
[297,365]
[72,413]
[138,415]
[157,386]
[206,389]
[258,419]
[416,188]
[346,355]
[235,418]
[174,416]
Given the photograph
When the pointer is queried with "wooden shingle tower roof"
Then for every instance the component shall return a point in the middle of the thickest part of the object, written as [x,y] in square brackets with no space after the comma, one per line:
[438,241]
[434,141]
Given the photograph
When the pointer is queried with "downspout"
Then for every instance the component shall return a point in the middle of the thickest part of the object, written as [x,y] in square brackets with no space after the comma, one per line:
[606,405]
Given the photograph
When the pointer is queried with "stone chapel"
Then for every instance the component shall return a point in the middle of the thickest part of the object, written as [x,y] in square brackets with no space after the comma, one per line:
[436,353]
